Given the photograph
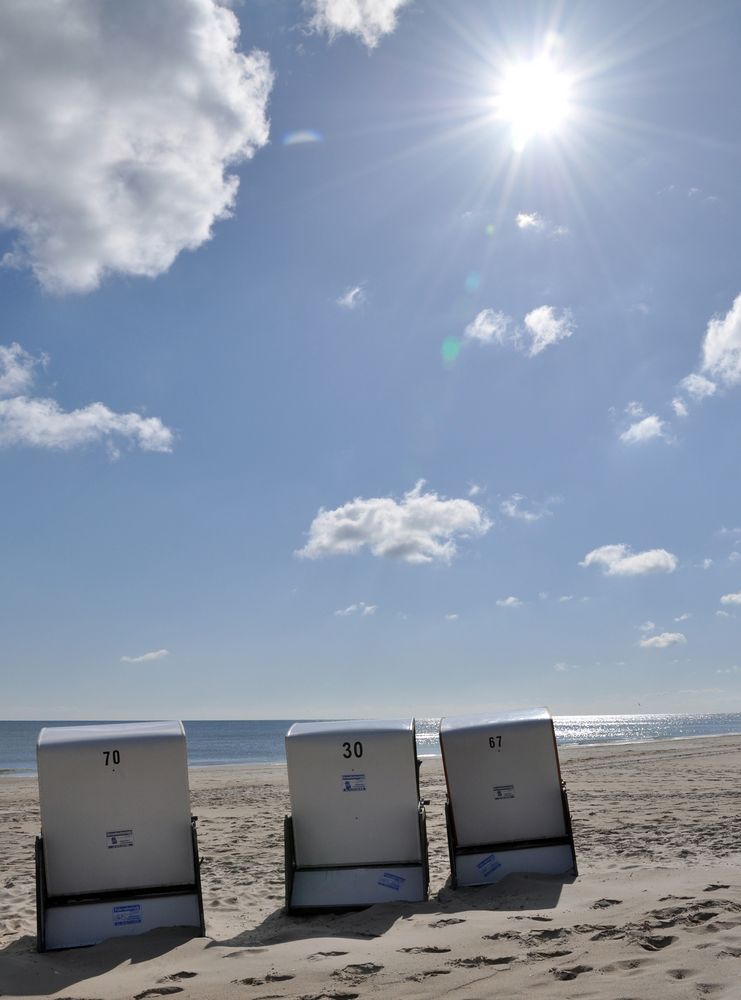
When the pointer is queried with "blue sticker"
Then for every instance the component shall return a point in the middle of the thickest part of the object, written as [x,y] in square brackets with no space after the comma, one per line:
[130,914]
[391,881]
[489,864]
[353,782]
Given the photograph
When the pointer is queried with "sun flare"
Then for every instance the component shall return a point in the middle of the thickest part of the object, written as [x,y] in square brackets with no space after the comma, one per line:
[534,99]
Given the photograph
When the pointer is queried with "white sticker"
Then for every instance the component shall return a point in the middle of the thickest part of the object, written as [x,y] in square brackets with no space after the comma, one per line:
[504,792]
[129,914]
[119,838]
[353,782]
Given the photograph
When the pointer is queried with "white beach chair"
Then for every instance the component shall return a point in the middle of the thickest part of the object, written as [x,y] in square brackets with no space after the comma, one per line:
[118,853]
[357,833]
[507,809]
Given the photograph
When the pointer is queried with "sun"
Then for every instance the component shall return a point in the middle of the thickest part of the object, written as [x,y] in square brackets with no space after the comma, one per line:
[534,99]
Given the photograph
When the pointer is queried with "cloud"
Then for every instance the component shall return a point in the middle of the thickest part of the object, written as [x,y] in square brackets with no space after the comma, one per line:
[734,556]
[514,507]
[683,617]
[647,627]
[565,598]
[620,560]
[721,349]
[352,297]
[534,222]
[543,327]
[680,407]
[370,20]
[697,387]
[731,599]
[157,654]
[452,617]
[562,668]
[16,370]
[729,670]
[647,429]
[509,602]
[120,124]
[547,326]
[365,610]
[38,422]
[722,614]
[489,326]
[475,490]
[663,641]
[705,564]
[419,528]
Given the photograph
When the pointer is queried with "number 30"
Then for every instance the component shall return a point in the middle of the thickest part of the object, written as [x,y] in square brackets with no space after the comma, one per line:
[354,750]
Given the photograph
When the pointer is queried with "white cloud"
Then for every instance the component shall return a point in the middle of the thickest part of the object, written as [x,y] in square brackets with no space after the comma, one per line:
[157,654]
[647,627]
[680,407]
[16,370]
[722,614]
[534,222]
[663,641]
[452,618]
[705,564]
[731,599]
[562,668]
[509,602]
[734,556]
[546,326]
[648,429]
[489,326]
[370,20]
[120,124]
[38,422]
[635,410]
[697,387]
[620,560]
[721,349]
[729,670]
[565,598]
[41,423]
[368,609]
[475,490]
[365,610]
[419,528]
[352,297]
[514,507]
[683,617]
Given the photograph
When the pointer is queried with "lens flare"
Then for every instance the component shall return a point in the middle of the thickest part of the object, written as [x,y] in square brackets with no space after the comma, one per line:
[534,99]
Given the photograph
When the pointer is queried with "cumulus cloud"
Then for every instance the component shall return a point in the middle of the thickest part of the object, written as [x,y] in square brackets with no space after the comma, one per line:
[547,326]
[680,407]
[534,222]
[697,386]
[422,527]
[509,602]
[157,654]
[369,20]
[517,508]
[620,560]
[683,617]
[38,422]
[731,599]
[663,641]
[489,326]
[647,627]
[120,124]
[542,327]
[352,297]
[16,370]
[705,564]
[721,349]
[647,429]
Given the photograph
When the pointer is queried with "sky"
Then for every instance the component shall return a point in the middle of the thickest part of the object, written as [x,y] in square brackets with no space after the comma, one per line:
[369,357]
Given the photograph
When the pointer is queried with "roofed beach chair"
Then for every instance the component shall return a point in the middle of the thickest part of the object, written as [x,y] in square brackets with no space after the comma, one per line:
[357,833]
[118,853]
[507,809]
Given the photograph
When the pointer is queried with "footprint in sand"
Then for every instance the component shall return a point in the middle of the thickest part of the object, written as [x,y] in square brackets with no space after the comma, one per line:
[448,922]
[431,950]
[679,973]
[482,960]
[177,976]
[355,974]
[627,965]
[329,996]
[421,976]
[549,953]
[715,886]
[571,973]
[655,942]
[326,954]
[602,904]
[272,977]
[158,991]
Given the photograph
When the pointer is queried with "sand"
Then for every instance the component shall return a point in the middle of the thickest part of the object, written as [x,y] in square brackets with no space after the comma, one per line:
[655,912]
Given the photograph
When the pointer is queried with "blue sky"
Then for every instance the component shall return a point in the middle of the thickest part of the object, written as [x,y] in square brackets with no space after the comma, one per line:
[338,378]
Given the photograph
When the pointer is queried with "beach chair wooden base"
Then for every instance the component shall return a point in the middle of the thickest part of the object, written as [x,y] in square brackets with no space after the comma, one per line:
[77,921]
[486,864]
[309,890]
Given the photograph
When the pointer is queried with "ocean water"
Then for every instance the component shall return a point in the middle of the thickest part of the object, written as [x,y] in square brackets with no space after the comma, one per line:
[251,741]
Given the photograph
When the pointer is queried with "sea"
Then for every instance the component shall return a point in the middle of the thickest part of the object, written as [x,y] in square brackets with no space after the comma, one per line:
[260,741]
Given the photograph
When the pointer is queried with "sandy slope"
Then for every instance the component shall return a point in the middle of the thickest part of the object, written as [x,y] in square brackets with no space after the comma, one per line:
[655,912]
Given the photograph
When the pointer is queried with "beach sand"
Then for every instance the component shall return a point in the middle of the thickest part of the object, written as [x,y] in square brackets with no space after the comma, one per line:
[655,912]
